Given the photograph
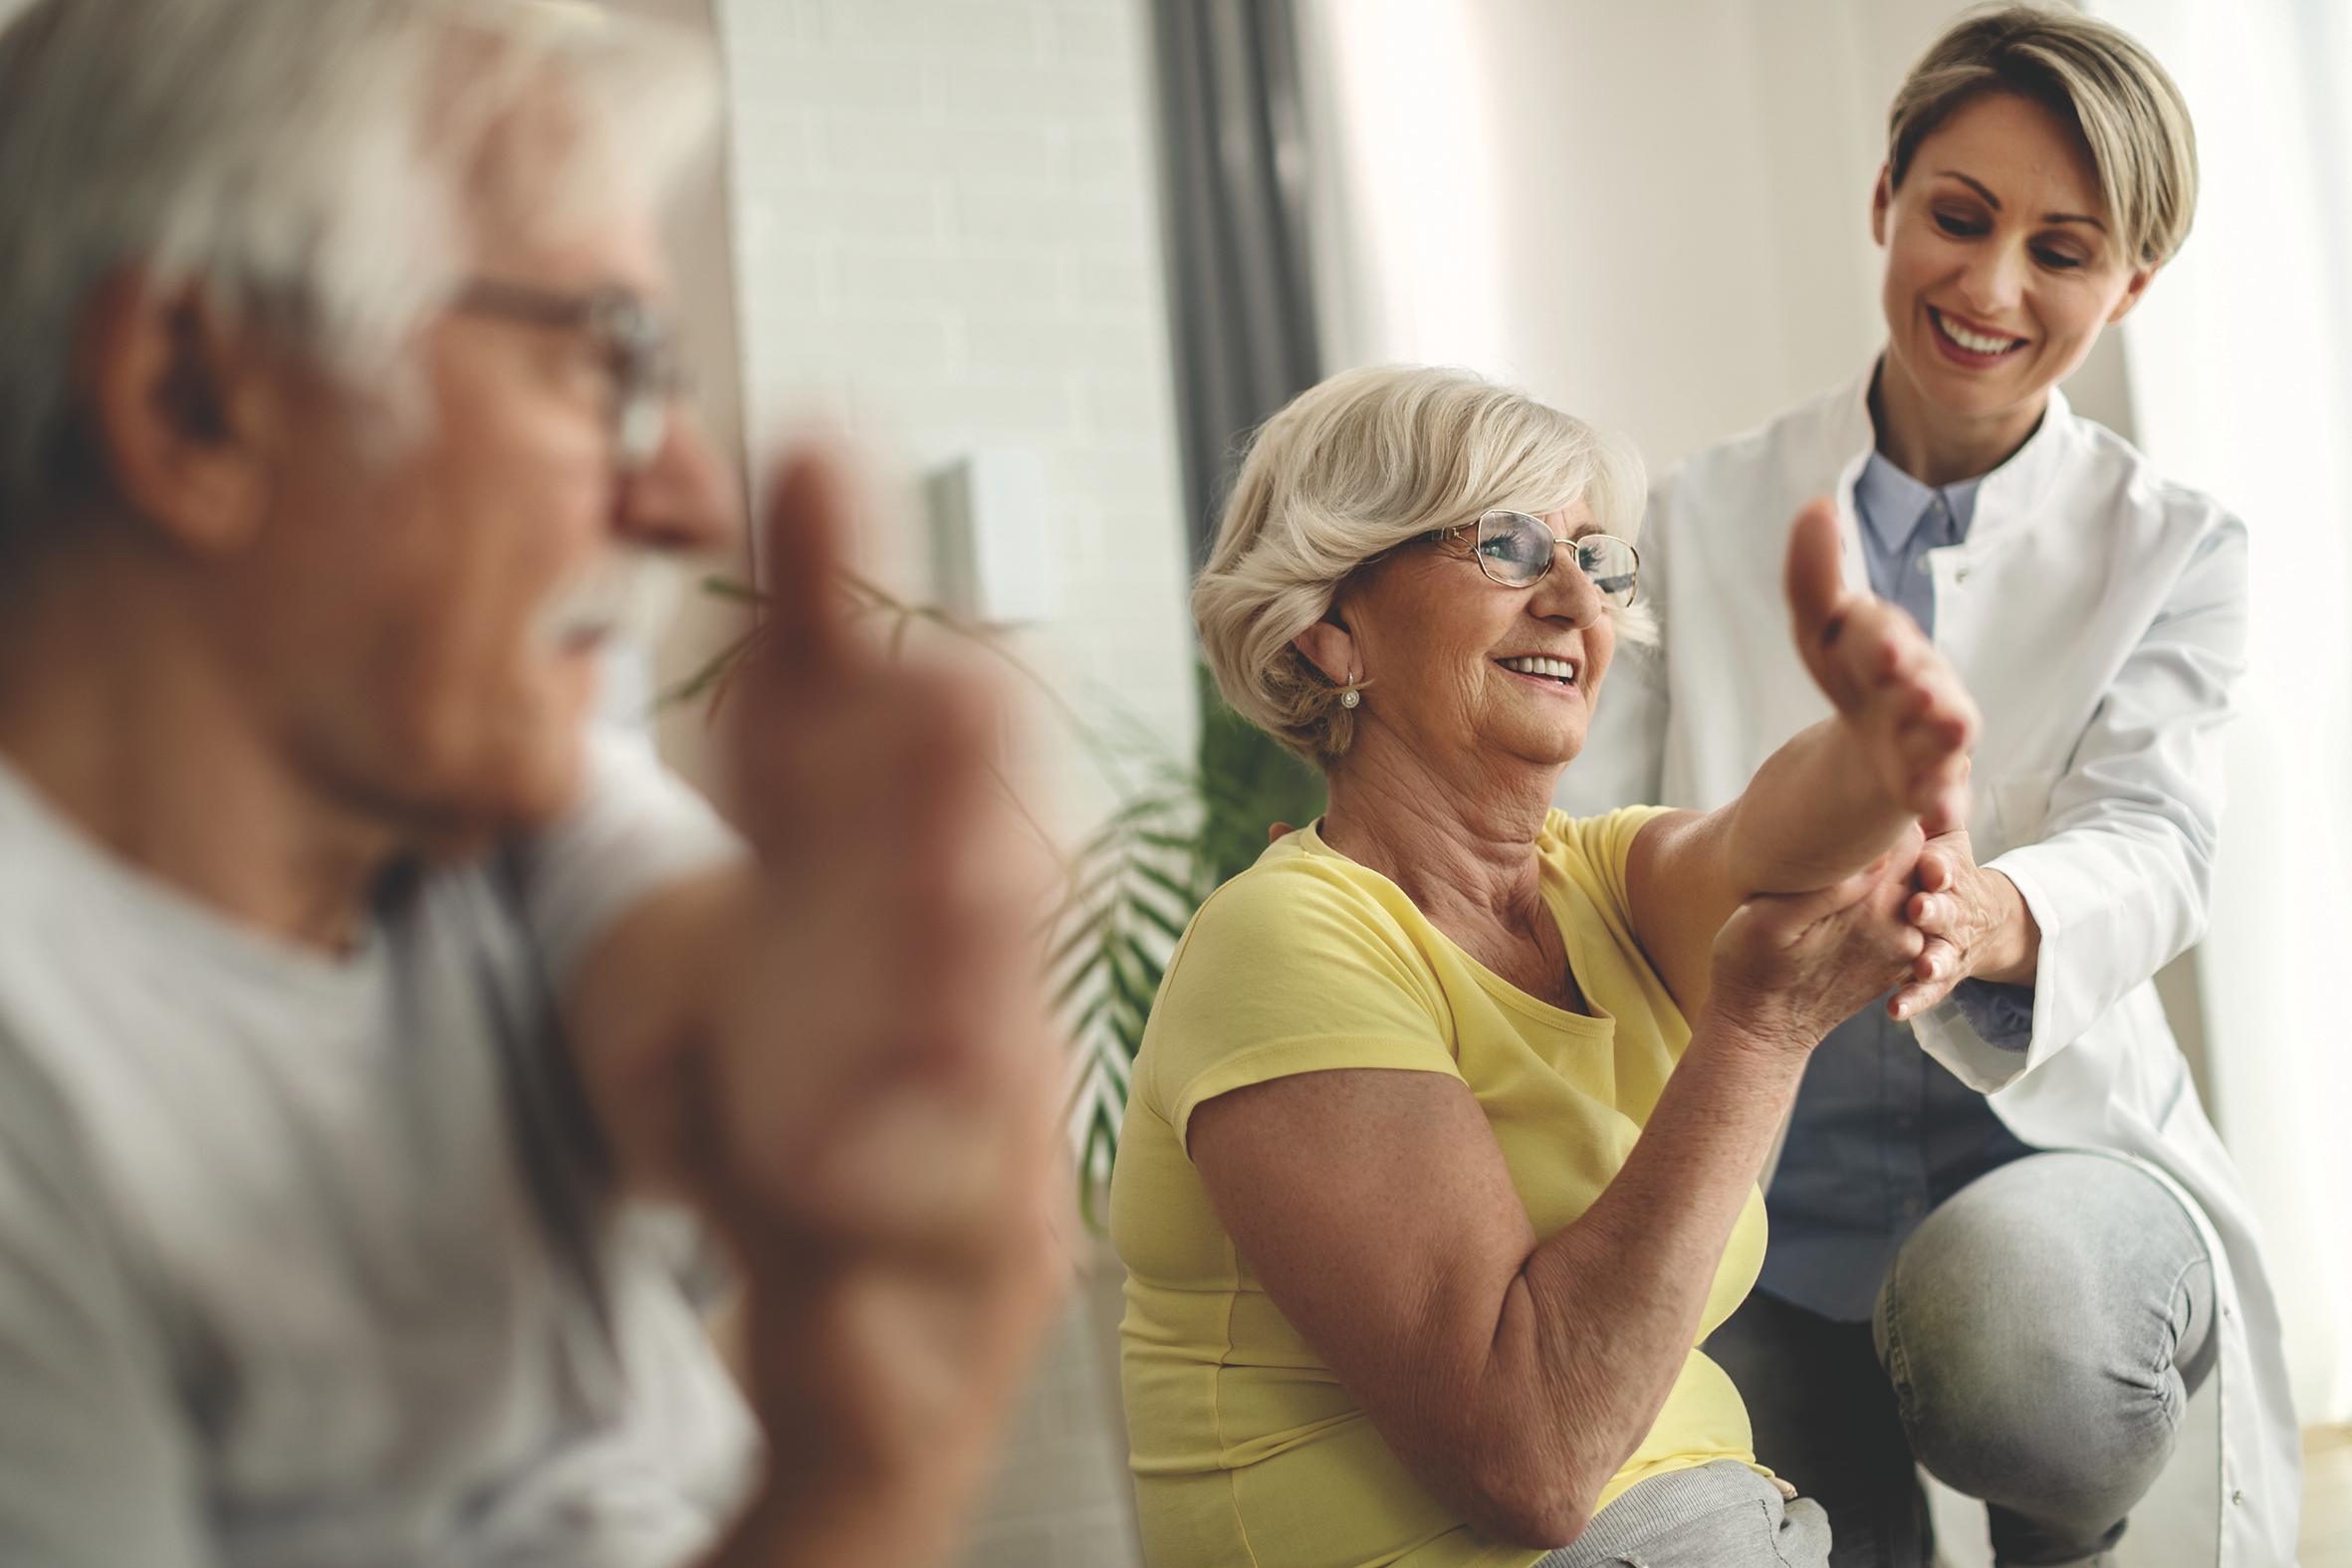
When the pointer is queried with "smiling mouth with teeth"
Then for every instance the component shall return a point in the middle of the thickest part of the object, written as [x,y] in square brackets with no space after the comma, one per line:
[1975,343]
[1561,672]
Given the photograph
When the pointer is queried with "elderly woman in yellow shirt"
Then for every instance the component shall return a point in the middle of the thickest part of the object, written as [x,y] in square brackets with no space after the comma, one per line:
[1441,1151]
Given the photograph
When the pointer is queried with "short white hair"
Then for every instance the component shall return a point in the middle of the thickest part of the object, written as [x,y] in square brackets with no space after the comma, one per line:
[305,162]
[1359,463]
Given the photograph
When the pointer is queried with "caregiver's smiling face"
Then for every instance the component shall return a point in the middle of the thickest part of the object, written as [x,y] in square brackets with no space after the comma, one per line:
[2002,263]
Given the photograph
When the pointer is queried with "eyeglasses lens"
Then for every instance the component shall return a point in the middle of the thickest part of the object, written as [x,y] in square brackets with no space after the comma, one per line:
[642,426]
[639,346]
[1611,564]
[1514,548]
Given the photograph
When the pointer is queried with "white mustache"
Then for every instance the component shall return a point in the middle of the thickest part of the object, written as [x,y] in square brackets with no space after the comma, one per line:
[634,596]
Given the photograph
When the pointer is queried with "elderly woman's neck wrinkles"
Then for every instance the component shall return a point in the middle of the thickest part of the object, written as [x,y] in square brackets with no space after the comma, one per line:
[1463,849]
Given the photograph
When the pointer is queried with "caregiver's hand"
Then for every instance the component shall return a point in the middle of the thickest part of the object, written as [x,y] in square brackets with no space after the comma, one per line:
[1913,720]
[1974,922]
[1790,968]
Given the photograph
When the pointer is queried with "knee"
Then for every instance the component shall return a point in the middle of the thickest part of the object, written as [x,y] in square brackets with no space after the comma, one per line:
[2016,1381]
[2037,1427]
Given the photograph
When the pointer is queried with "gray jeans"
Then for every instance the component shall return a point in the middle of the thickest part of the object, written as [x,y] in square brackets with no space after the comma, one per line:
[2034,1346]
[1721,1515]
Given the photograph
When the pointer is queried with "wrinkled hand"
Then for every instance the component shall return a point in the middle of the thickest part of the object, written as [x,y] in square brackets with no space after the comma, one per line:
[1913,718]
[1790,968]
[883,1147]
[1960,911]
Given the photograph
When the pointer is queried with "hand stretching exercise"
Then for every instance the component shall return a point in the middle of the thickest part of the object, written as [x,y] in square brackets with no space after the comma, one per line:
[1441,1152]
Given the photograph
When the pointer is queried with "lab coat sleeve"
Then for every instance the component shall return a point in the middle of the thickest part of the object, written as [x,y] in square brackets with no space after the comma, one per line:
[1624,758]
[2120,878]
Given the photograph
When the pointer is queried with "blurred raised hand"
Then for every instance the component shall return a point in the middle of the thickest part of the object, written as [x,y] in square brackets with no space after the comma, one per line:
[878,1109]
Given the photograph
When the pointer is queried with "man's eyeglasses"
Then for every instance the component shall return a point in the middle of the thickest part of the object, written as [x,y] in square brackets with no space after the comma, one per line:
[1517,550]
[636,344]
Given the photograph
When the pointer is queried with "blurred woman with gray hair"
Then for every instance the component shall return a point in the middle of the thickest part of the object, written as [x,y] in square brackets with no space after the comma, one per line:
[1440,1152]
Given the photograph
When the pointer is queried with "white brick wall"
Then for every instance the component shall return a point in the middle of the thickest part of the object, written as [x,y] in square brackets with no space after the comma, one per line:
[946,237]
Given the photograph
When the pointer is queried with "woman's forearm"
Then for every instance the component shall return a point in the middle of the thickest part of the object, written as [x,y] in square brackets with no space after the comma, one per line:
[1815,811]
[1603,1315]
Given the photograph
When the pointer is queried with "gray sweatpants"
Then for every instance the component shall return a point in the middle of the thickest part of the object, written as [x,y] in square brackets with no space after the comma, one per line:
[1721,1515]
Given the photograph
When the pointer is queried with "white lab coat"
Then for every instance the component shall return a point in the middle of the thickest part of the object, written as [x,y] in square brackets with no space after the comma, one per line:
[2098,614]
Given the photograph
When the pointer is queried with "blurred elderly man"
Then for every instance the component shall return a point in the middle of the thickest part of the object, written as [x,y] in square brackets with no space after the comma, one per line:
[363,1022]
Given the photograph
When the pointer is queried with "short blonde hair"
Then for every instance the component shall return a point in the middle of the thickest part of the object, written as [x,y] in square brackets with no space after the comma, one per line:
[2092,74]
[1359,463]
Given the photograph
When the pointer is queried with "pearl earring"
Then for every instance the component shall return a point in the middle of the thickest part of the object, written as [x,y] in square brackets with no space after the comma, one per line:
[1350,698]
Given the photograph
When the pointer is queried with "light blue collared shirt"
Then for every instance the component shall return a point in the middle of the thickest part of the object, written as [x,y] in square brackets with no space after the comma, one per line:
[1883,1132]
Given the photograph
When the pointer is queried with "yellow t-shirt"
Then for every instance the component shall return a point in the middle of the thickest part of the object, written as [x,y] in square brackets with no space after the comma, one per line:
[1246,1450]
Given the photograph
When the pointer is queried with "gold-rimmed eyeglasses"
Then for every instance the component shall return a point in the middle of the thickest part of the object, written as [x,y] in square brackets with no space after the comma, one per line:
[634,343]
[1516,549]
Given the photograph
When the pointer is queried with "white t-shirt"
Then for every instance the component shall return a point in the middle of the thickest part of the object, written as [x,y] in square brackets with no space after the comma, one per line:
[307,1261]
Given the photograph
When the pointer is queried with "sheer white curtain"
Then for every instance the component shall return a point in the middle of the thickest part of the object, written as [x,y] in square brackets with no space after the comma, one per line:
[2241,368]
[1654,216]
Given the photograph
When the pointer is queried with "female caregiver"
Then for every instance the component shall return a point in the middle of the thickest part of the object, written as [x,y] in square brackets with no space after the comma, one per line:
[1441,1148]
[2006,1242]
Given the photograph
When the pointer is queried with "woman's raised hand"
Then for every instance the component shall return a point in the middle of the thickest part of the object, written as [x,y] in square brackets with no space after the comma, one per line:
[1910,714]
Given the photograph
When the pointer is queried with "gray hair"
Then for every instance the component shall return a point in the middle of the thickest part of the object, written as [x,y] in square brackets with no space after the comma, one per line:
[305,162]
[1359,463]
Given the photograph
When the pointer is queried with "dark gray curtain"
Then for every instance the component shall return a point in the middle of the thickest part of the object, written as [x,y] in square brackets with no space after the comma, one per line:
[1234,153]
